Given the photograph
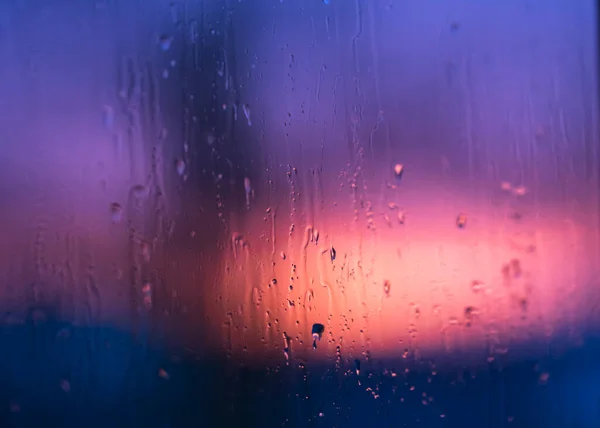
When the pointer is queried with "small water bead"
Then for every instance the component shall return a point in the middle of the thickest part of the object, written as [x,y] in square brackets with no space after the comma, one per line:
[246,109]
[387,287]
[180,167]
[140,191]
[109,117]
[116,213]
[163,374]
[399,170]
[147,295]
[401,217]
[165,42]
[65,385]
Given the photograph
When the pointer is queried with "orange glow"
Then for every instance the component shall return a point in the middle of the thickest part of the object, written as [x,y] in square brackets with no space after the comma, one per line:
[423,286]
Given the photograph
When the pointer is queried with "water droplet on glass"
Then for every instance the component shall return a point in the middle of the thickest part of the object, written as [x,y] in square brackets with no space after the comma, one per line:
[476,286]
[398,170]
[246,109]
[470,312]
[520,190]
[180,167]
[116,212]
[332,254]
[65,385]
[401,217]
[461,221]
[140,191]
[317,333]
[147,295]
[163,134]
[248,190]
[145,251]
[109,117]
[164,42]
[286,346]
[163,374]
[387,287]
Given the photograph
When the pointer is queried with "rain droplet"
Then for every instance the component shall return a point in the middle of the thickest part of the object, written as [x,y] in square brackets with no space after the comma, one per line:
[246,109]
[211,139]
[180,167]
[461,221]
[401,217]
[109,117]
[147,295]
[163,374]
[164,42]
[317,333]
[476,286]
[286,345]
[387,287]
[520,191]
[315,236]
[399,170]
[248,190]
[332,254]
[65,385]
[116,212]
[470,312]
[145,251]
[140,191]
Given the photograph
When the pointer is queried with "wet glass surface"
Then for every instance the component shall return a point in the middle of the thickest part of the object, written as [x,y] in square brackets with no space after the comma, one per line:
[334,213]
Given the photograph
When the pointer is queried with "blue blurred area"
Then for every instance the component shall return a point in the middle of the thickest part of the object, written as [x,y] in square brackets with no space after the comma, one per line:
[117,383]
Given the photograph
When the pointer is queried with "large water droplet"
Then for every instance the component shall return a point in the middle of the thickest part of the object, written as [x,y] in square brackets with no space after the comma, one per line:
[317,333]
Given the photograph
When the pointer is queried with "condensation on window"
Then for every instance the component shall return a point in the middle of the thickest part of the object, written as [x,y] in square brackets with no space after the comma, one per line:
[357,198]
